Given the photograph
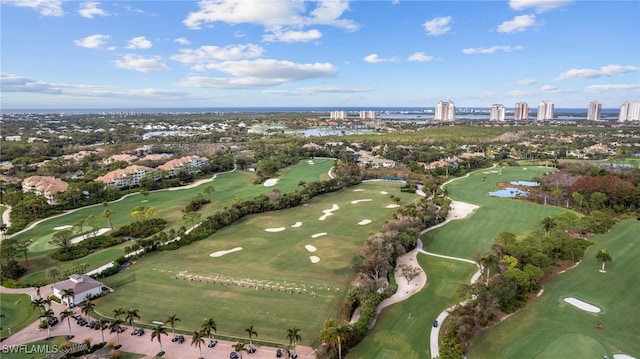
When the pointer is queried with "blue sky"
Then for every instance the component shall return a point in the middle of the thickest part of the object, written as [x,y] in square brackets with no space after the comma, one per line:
[247,53]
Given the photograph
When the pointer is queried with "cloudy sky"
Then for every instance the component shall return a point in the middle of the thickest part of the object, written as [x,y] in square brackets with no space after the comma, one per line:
[335,53]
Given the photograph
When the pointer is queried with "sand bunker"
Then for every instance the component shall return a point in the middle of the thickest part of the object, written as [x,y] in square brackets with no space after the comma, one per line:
[311,162]
[314,259]
[310,248]
[319,235]
[384,192]
[298,224]
[622,356]
[221,253]
[270,182]
[582,305]
[59,228]
[392,206]
[328,212]
[358,190]
[360,200]
[99,232]
[277,229]
[364,221]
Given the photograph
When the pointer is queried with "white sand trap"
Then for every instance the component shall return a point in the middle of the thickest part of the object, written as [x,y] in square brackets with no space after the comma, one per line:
[277,229]
[310,248]
[623,356]
[59,228]
[392,205]
[328,212]
[298,224]
[99,232]
[361,200]
[314,259]
[358,190]
[582,305]
[311,162]
[221,253]
[270,182]
[319,235]
[364,221]
[384,192]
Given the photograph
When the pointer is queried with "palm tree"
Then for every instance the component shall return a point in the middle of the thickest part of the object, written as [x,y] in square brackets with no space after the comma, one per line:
[48,315]
[293,335]
[118,312]
[132,314]
[53,273]
[209,327]
[87,306]
[240,347]
[66,314]
[101,322]
[603,257]
[334,333]
[198,340]
[251,333]
[116,326]
[172,321]
[158,331]
[38,303]
[68,294]
[548,223]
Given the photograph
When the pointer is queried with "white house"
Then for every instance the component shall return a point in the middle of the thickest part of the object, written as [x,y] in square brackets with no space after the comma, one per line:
[82,286]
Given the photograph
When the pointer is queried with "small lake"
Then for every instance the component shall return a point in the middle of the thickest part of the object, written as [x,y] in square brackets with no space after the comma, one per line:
[509,192]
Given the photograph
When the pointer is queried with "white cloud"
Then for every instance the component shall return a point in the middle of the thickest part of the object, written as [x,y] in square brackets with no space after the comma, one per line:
[420,57]
[373,59]
[527,81]
[538,5]
[15,83]
[96,41]
[270,14]
[43,7]
[142,64]
[438,26]
[319,89]
[608,70]
[491,50]
[139,42]
[181,41]
[547,88]
[205,55]
[606,88]
[518,24]
[292,36]
[90,9]
[228,83]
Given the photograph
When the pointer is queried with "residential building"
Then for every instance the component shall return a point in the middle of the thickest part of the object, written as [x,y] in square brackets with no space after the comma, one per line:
[45,186]
[339,115]
[445,111]
[187,162]
[496,113]
[83,287]
[367,115]
[127,177]
[521,112]
[629,111]
[594,111]
[545,111]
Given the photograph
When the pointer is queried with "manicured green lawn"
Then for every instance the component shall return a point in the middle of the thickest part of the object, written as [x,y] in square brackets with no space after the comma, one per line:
[396,335]
[17,313]
[552,328]
[279,263]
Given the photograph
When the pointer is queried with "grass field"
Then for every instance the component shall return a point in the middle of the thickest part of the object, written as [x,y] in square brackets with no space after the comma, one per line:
[192,284]
[17,313]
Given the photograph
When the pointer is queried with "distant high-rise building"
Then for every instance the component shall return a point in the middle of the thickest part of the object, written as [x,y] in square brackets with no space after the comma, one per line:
[545,111]
[496,113]
[445,111]
[595,108]
[521,112]
[338,115]
[367,115]
[629,111]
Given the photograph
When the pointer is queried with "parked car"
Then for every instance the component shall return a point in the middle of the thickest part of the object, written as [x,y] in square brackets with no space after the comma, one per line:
[435,323]
[233,355]
[212,343]
[279,353]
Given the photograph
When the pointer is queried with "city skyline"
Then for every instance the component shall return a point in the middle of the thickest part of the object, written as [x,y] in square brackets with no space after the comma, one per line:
[241,53]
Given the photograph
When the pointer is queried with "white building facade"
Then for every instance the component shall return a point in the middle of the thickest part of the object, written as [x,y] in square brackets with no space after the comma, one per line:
[545,111]
[497,112]
[594,111]
[83,287]
[367,115]
[445,111]
[629,111]
[338,115]
[521,112]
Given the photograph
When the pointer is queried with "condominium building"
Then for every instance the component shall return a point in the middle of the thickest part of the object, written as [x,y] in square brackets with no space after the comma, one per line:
[187,163]
[338,115]
[46,186]
[594,111]
[629,111]
[545,111]
[367,115]
[521,112]
[445,111]
[127,177]
[496,113]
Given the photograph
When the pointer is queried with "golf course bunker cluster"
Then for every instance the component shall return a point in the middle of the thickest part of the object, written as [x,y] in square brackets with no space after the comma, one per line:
[582,305]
